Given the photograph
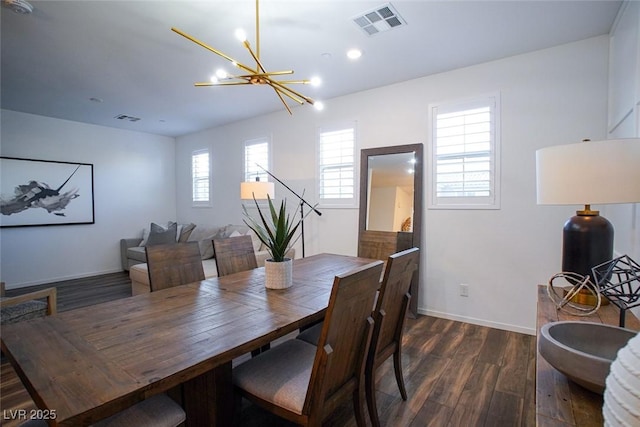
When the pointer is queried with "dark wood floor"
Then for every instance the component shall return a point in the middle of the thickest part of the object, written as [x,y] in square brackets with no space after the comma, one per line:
[456,374]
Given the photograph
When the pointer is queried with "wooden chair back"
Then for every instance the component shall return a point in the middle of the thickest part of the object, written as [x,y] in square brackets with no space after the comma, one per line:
[173,264]
[393,302]
[234,254]
[339,364]
[390,314]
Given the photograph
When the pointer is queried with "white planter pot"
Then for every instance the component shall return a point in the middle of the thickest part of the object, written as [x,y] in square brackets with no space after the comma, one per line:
[278,275]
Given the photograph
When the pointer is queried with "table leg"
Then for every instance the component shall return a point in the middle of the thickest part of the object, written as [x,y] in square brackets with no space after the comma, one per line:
[208,399]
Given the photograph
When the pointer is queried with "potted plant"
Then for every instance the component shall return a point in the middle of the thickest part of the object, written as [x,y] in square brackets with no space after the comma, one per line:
[276,231]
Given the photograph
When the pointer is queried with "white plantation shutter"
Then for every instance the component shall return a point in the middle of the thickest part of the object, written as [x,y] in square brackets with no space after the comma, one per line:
[200,174]
[336,164]
[256,152]
[464,155]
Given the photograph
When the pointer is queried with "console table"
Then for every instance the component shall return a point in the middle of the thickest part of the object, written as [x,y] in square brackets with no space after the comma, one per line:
[560,402]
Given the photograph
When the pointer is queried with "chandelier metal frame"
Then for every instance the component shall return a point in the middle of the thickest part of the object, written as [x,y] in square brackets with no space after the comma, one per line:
[254,76]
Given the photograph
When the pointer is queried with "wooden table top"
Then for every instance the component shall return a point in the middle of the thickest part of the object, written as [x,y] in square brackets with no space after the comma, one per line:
[560,402]
[89,363]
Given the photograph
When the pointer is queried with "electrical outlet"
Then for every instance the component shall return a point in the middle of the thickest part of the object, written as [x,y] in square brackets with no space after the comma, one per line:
[464,290]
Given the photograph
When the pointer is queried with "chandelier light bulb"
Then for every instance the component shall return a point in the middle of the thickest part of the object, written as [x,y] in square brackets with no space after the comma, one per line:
[318,105]
[354,53]
[221,74]
[214,79]
[315,81]
[241,34]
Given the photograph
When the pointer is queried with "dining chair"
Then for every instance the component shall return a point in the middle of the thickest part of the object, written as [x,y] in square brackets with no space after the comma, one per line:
[234,254]
[173,264]
[389,316]
[157,411]
[27,306]
[304,383]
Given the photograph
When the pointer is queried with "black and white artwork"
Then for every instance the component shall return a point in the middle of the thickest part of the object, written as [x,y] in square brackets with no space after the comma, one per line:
[45,192]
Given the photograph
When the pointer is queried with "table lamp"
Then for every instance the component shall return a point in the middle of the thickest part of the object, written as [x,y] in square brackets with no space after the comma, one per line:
[257,189]
[586,173]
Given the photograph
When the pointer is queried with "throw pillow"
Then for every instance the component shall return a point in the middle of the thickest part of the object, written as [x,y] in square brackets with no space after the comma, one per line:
[158,234]
[186,231]
[145,237]
[206,247]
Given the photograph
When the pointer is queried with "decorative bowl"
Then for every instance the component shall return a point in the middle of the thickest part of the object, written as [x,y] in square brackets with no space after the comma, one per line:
[583,351]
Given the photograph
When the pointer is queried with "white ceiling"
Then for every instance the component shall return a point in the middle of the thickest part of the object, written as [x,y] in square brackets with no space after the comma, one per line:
[123,52]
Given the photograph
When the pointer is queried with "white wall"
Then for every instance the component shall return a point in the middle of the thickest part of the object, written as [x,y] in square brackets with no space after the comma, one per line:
[624,117]
[134,184]
[549,97]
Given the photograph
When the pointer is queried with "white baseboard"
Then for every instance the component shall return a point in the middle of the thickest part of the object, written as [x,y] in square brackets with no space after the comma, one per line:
[481,322]
[60,279]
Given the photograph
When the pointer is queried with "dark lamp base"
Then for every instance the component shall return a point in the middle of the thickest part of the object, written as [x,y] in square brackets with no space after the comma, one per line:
[587,242]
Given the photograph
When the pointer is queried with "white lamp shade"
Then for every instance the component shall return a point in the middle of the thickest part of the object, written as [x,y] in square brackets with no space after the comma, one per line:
[590,172]
[257,189]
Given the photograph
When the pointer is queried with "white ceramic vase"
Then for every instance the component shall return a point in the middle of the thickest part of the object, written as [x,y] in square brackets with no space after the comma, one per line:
[278,275]
[622,392]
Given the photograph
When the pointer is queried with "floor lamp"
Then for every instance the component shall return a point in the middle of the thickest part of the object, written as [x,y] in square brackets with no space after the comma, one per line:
[261,189]
[257,189]
[586,173]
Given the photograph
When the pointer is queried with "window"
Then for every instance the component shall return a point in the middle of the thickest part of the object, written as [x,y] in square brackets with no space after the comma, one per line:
[336,163]
[464,154]
[256,157]
[200,174]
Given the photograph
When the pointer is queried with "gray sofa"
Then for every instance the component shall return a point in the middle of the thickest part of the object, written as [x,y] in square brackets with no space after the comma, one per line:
[132,249]
[134,255]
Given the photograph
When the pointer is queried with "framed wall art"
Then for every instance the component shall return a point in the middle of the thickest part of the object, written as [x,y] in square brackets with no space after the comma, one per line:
[45,192]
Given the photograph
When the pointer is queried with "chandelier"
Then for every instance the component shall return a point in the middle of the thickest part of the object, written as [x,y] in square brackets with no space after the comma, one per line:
[254,76]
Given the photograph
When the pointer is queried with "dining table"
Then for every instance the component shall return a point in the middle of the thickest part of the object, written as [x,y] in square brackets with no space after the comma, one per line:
[84,365]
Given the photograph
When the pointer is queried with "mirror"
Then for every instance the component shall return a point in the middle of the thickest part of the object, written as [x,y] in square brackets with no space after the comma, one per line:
[390,192]
[390,218]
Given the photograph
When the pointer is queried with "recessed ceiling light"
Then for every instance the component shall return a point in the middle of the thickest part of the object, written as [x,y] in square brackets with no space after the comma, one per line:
[354,53]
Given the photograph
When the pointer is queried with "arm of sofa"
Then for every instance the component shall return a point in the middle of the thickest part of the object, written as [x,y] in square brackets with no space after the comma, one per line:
[124,245]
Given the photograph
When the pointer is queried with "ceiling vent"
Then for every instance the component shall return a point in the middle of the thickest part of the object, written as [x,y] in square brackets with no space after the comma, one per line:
[18,6]
[382,18]
[127,118]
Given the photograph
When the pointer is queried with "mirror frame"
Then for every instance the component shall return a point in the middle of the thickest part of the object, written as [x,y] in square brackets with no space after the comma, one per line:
[417,202]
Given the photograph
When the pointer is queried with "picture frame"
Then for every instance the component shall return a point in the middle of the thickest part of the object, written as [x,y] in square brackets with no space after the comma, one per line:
[45,192]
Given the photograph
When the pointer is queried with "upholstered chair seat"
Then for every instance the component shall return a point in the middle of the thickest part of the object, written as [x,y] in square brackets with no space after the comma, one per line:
[157,411]
[27,306]
[24,311]
[280,375]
